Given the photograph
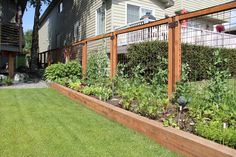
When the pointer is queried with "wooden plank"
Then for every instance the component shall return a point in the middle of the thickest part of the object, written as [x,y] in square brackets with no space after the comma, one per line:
[115,55]
[93,39]
[170,62]
[173,139]
[84,59]
[111,59]
[177,50]
[11,65]
[139,27]
[211,10]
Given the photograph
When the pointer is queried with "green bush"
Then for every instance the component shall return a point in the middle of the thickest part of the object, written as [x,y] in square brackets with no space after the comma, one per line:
[151,56]
[98,65]
[58,72]
[7,82]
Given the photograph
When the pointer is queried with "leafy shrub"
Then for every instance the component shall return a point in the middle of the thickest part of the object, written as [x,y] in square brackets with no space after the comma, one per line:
[97,67]
[151,54]
[8,81]
[76,85]
[73,70]
[59,72]
[217,87]
[54,72]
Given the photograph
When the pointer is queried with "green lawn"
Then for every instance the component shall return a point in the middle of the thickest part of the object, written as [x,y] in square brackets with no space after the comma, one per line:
[43,123]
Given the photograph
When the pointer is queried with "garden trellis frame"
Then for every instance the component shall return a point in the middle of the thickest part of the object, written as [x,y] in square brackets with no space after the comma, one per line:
[174,43]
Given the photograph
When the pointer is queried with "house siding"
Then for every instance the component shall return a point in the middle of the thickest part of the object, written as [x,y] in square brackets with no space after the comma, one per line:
[193,5]
[62,24]
[119,10]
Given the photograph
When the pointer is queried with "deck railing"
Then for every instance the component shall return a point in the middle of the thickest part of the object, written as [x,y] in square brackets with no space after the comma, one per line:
[190,35]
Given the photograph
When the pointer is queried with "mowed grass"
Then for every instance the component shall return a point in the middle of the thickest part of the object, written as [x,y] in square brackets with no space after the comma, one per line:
[43,123]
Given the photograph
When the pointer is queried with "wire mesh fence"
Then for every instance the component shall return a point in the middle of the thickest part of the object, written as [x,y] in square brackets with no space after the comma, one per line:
[146,49]
[98,58]
[149,46]
[208,45]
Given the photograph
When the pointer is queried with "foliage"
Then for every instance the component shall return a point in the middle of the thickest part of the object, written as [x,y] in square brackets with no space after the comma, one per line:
[7,81]
[102,93]
[183,88]
[97,65]
[68,71]
[138,95]
[152,53]
[214,130]
[75,85]
[214,105]
[28,41]
[217,88]
[151,56]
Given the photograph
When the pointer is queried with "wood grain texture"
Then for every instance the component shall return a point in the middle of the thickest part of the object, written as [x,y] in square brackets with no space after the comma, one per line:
[173,139]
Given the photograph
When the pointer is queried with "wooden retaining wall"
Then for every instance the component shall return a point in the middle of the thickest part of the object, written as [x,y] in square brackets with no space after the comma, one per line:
[179,141]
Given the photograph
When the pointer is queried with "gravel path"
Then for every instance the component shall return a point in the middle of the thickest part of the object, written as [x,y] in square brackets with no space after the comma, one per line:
[39,84]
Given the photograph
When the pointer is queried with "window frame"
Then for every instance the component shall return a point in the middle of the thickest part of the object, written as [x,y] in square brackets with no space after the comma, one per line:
[96,20]
[140,10]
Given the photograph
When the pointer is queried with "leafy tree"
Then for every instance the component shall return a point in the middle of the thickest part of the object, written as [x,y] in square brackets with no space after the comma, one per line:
[35,37]
[28,41]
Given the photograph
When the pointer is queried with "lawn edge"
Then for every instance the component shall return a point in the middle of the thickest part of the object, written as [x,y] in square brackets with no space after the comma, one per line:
[179,141]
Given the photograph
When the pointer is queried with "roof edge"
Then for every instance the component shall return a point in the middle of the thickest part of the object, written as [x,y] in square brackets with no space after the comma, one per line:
[48,10]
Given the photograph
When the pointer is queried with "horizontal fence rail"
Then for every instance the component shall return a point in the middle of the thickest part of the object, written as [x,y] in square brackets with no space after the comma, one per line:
[172,30]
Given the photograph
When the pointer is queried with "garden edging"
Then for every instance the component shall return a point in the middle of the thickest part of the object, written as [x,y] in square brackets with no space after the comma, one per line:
[176,140]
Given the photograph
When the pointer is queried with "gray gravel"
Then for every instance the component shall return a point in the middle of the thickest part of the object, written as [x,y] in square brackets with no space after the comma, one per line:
[39,84]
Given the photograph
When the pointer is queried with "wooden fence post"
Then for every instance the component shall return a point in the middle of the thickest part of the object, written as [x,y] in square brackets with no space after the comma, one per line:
[174,54]
[84,59]
[177,49]
[113,56]
[171,67]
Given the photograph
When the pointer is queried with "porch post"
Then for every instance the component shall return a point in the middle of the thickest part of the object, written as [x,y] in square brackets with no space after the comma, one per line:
[11,67]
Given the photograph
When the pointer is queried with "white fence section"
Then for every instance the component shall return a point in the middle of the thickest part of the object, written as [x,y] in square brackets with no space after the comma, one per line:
[191,35]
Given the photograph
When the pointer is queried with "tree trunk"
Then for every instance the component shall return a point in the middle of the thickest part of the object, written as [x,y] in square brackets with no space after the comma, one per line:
[35,38]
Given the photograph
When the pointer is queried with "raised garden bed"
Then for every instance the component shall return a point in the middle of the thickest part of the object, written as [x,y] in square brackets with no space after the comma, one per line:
[177,140]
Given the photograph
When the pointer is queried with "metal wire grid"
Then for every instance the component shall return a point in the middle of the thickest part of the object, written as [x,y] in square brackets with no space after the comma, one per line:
[213,32]
[98,56]
[128,41]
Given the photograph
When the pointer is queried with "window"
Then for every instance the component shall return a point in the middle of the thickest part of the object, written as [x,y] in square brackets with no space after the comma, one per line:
[134,13]
[100,21]
[60,7]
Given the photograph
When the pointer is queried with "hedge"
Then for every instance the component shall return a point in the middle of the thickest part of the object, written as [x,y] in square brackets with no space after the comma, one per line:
[149,55]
